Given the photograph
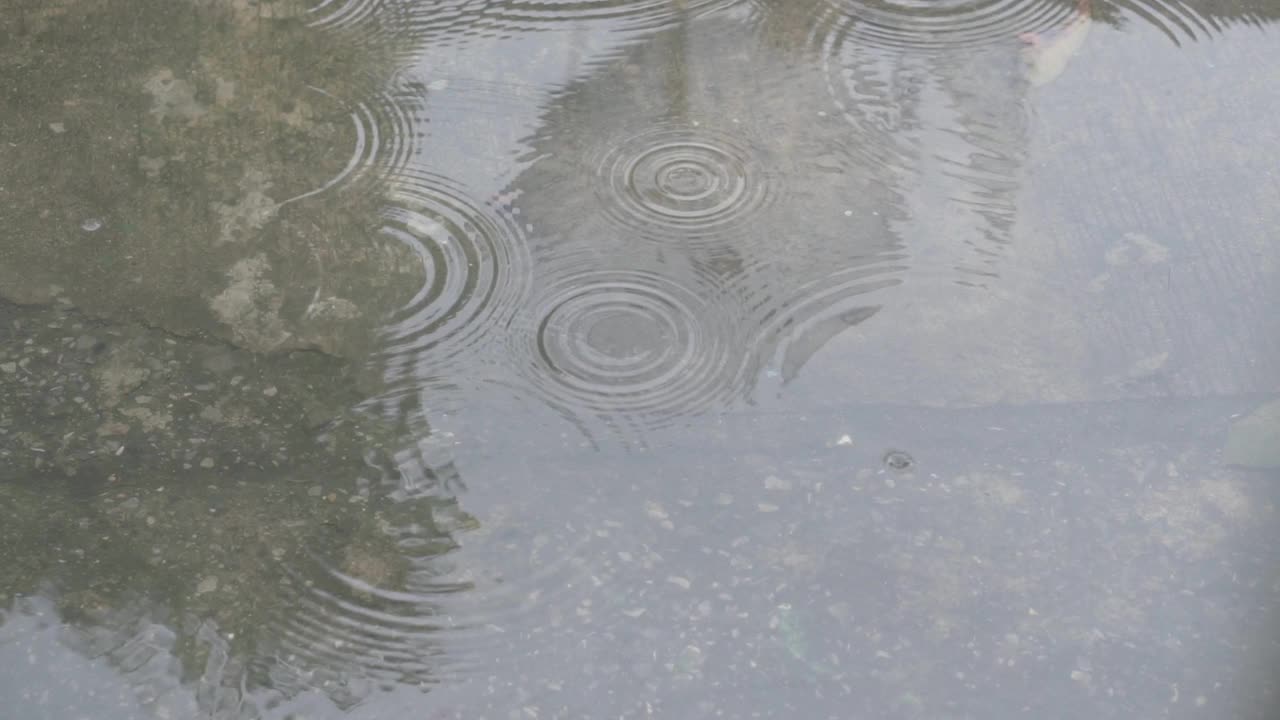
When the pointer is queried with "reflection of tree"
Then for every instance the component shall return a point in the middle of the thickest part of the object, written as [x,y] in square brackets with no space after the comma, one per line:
[186,506]
[790,22]
[927,168]
[275,595]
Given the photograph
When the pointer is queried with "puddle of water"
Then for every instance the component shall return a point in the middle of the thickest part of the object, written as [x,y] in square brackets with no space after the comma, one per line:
[700,358]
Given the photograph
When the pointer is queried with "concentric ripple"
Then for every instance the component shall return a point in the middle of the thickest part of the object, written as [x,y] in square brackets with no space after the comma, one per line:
[948,131]
[402,27]
[476,269]
[1178,19]
[630,345]
[873,96]
[633,15]
[940,24]
[430,599]
[384,128]
[684,183]
[349,637]
[790,328]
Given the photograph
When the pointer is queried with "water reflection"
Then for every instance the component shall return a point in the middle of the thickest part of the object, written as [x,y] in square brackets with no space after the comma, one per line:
[383,128]
[476,268]
[778,227]
[947,129]
[527,15]
[630,344]
[682,183]
[361,616]
[700,211]
[394,29]
[1180,21]
[921,27]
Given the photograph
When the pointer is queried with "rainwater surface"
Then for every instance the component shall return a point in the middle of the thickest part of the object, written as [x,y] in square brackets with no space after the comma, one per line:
[639,358]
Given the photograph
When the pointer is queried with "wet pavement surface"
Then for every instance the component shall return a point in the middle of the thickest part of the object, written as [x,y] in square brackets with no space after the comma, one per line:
[649,358]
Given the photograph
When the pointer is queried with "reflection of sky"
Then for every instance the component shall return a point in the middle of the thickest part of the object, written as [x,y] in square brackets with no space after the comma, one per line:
[48,677]
[1012,338]
[44,679]
[1176,145]
[494,95]
[941,347]
[498,89]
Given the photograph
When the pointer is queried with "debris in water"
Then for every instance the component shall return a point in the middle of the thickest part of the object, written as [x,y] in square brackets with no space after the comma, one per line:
[898,460]
[1047,54]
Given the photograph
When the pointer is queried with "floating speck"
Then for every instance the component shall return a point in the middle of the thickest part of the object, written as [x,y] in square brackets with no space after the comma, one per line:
[91,225]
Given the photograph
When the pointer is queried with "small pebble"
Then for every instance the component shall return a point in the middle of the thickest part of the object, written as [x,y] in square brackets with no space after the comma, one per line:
[91,225]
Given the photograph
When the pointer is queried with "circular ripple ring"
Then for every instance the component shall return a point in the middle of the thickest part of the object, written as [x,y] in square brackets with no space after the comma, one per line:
[629,342]
[682,183]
